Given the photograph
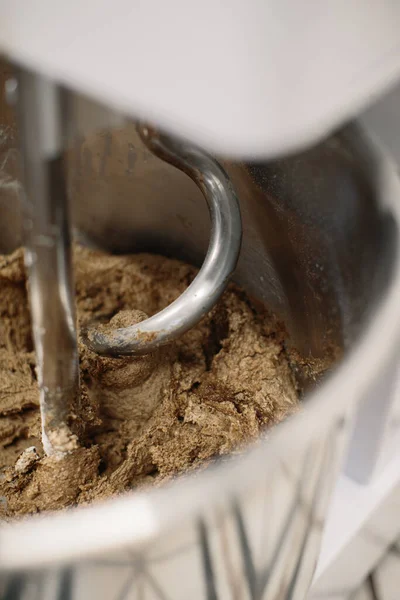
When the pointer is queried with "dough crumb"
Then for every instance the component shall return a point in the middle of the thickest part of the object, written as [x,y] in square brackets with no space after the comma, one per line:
[27,459]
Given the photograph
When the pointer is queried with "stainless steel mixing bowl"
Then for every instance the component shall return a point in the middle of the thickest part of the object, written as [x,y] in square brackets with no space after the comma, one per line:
[320,247]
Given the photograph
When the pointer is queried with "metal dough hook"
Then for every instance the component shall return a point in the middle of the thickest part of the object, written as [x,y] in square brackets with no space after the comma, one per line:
[220,261]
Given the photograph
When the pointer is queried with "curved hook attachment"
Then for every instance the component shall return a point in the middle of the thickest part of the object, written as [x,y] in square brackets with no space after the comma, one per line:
[223,251]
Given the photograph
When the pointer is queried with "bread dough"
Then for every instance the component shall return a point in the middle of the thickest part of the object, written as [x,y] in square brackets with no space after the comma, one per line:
[142,420]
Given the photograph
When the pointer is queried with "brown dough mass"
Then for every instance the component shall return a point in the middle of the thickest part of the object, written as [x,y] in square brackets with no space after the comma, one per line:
[142,420]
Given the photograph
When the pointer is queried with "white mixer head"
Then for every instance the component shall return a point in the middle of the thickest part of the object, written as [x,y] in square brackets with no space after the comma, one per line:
[242,78]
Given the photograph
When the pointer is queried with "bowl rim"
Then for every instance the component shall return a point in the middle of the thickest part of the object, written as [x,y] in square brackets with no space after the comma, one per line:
[138,517]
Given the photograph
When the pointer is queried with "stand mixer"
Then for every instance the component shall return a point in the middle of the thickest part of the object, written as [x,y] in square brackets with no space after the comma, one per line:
[240,91]
[260,105]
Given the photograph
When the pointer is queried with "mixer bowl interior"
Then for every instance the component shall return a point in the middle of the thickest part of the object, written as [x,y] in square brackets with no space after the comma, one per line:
[317,244]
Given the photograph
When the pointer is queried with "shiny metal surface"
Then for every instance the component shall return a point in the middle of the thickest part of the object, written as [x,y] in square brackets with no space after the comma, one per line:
[219,263]
[46,236]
